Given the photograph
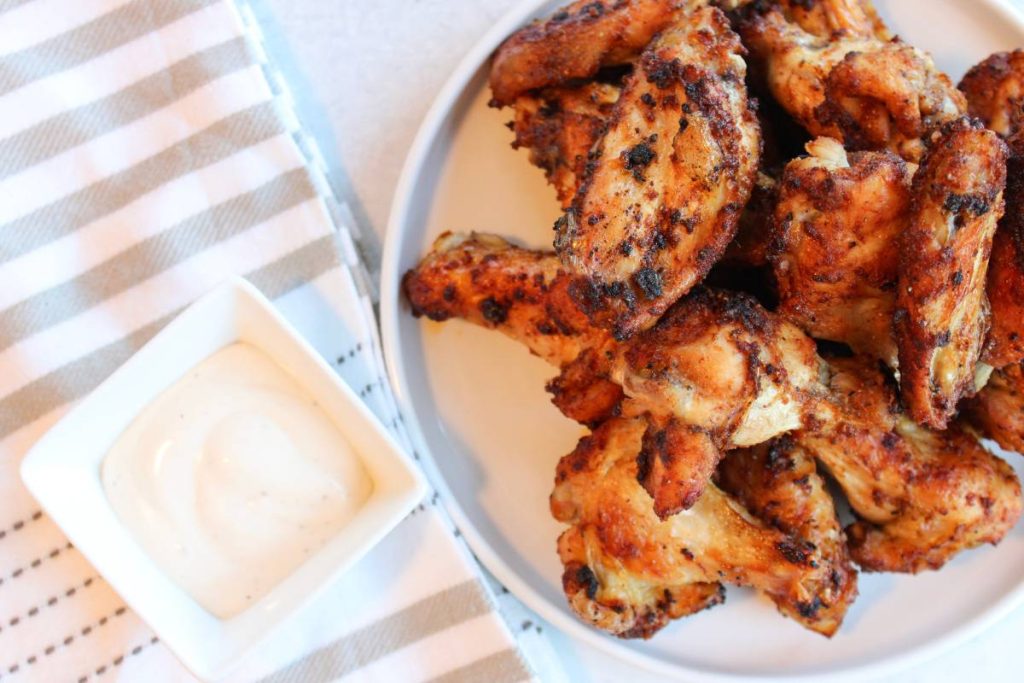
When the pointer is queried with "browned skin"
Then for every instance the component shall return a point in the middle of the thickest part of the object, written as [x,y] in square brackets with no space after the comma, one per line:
[998,409]
[559,127]
[1006,268]
[922,496]
[778,482]
[576,42]
[492,283]
[669,179]
[995,92]
[629,573]
[942,317]
[753,237]
[868,92]
[522,293]
[837,224]
[717,372]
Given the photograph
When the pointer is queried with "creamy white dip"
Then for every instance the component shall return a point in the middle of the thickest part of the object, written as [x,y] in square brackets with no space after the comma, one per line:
[232,477]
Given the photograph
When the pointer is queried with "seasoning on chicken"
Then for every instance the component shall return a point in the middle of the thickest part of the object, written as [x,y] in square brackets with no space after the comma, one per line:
[942,316]
[576,42]
[922,496]
[559,127]
[669,179]
[995,92]
[628,572]
[837,224]
[868,92]
[998,409]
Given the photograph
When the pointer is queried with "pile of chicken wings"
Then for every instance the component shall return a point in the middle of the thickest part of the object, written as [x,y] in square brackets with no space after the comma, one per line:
[790,263]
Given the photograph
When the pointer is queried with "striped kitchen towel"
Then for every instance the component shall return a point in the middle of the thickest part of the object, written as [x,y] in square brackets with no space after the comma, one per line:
[147,153]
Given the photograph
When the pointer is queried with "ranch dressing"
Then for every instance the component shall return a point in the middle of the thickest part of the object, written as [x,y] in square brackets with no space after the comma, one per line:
[232,477]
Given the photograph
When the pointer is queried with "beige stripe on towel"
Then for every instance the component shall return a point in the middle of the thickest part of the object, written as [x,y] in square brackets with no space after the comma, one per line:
[216,142]
[356,650]
[501,667]
[149,257]
[86,42]
[69,129]
[74,380]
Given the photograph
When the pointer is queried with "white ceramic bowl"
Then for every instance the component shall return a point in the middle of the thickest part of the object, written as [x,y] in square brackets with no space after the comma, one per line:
[63,472]
[476,403]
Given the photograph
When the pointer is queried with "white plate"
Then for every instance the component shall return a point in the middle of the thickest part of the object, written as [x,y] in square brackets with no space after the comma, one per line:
[476,404]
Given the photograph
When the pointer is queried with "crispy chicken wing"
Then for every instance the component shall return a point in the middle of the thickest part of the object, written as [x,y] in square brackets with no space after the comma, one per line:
[998,409]
[870,93]
[492,283]
[837,224]
[576,42]
[560,126]
[717,372]
[995,92]
[942,317]
[778,482]
[1006,268]
[629,572]
[922,496]
[661,199]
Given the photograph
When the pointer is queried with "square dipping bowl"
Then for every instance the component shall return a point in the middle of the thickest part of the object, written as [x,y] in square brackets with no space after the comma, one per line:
[63,472]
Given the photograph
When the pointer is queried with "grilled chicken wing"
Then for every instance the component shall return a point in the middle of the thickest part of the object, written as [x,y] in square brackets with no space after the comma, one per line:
[490,282]
[716,372]
[779,484]
[870,93]
[995,92]
[560,126]
[922,496]
[998,409]
[1006,268]
[942,317]
[662,197]
[837,224]
[576,42]
[629,572]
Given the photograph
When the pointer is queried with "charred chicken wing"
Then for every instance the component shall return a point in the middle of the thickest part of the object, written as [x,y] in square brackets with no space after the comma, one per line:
[942,316]
[922,496]
[837,224]
[628,572]
[669,179]
[995,92]
[869,93]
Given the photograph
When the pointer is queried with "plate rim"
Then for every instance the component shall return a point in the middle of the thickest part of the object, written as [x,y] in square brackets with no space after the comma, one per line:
[391,310]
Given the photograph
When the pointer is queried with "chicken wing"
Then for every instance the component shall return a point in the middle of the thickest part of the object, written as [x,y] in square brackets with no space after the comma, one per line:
[716,372]
[837,224]
[576,42]
[488,281]
[995,92]
[942,316]
[998,409]
[629,573]
[922,496]
[778,482]
[1006,268]
[661,199]
[560,126]
[872,94]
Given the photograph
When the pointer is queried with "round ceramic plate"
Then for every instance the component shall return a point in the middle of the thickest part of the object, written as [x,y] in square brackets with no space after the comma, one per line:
[476,404]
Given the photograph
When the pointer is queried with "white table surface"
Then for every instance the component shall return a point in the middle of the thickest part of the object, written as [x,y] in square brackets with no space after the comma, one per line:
[364,73]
